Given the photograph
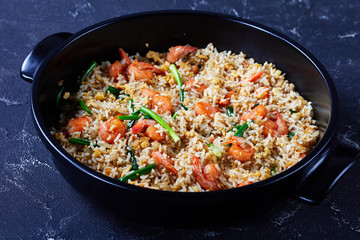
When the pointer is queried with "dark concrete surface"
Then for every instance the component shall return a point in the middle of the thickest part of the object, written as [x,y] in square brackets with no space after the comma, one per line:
[37,203]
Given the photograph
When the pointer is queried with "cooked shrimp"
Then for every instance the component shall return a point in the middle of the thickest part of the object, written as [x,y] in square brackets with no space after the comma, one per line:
[277,127]
[262,92]
[195,68]
[259,110]
[178,52]
[76,125]
[119,67]
[148,92]
[253,77]
[245,183]
[124,57]
[110,129]
[197,87]
[142,125]
[142,70]
[165,160]
[163,104]
[208,177]
[240,150]
[202,108]
[147,126]
[226,100]
[151,132]
[116,69]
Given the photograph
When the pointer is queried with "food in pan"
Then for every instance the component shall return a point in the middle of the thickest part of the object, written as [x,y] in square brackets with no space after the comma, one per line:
[191,119]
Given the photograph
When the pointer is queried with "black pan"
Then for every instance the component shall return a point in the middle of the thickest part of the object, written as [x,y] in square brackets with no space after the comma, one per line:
[63,56]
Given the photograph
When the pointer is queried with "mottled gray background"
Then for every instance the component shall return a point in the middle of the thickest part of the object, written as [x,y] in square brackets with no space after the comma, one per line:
[37,203]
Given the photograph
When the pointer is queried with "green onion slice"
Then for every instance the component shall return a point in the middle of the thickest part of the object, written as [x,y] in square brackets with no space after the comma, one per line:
[291,134]
[113,90]
[137,173]
[184,106]
[58,98]
[157,118]
[128,117]
[83,106]
[273,171]
[130,124]
[241,129]
[175,114]
[132,104]
[177,77]
[79,141]
[229,111]
[134,165]
[92,65]
[292,111]
[215,150]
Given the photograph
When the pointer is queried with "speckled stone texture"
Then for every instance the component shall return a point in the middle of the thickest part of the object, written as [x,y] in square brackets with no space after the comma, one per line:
[37,203]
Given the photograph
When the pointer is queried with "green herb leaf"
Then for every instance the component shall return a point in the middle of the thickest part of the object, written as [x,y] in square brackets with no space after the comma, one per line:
[83,106]
[157,118]
[138,173]
[91,67]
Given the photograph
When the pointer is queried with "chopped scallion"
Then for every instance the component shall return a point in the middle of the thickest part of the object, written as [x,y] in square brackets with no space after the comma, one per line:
[177,77]
[292,111]
[113,90]
[128,117]
[130,124]
[92,65]
[184,106]
[291,135]
[134,165]
[229,111]
[214,149]
[138,173]
[241,129]
[157,118]
[147,116]
[131,104]
[58,98]
[83,106]
[175,114]
[273,171]
[79,141]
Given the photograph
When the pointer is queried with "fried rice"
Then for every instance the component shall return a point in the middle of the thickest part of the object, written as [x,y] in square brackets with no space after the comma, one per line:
[207,137]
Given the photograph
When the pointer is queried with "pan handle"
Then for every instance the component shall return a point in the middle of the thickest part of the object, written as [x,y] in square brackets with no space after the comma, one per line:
[315,185]
[34,59]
